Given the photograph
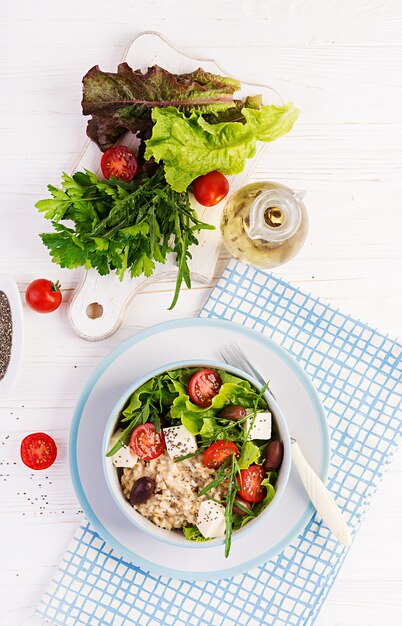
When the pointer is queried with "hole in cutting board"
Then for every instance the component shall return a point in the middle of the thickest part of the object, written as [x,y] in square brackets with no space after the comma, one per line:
[94,310]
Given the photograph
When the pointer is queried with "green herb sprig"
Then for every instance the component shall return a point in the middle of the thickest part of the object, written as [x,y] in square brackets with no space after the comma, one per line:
[233,488]
[121,227]
[221,432]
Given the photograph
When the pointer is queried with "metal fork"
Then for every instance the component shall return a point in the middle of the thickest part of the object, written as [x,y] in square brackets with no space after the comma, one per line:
[318,493]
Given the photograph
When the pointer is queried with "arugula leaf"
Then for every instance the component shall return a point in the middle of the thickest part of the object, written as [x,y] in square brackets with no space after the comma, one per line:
[233,488]
[190,146]
[139,397]
[123,101]
[125,436]
[121,227]
[214,484]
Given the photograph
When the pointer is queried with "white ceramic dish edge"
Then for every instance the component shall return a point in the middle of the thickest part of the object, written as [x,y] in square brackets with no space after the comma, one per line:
[120,544]
[146,525]
[9,287]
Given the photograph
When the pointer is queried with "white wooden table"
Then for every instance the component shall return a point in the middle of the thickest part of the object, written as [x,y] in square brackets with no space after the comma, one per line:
[341,63]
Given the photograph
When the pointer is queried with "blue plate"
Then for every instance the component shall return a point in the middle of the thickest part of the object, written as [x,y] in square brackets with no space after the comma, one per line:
[194,339]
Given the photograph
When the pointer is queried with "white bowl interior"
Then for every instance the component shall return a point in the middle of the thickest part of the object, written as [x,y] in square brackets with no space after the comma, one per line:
[112,476]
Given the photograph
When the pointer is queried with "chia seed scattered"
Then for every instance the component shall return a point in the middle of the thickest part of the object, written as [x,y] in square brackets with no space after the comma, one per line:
[6,333]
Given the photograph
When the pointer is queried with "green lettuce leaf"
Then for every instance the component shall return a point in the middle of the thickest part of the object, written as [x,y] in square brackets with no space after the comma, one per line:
[230,393]
[193,423]
[123,101]
[139,397]
[203,421]
[193,534]
[191,146]
[250,453]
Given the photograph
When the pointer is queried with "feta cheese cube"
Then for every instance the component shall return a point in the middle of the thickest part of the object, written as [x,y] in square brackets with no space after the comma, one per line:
[261,428]
[123,457]
[211,519]
[179,441]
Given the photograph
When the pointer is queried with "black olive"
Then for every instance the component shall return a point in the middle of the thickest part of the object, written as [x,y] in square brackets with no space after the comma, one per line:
[273,456]
[142,490]
[235,412]
[244,503]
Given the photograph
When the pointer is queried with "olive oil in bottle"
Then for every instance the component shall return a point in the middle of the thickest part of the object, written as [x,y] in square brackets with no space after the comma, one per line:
[264,224]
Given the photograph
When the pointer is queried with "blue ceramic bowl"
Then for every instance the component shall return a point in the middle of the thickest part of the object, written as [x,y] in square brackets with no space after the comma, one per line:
[175,537]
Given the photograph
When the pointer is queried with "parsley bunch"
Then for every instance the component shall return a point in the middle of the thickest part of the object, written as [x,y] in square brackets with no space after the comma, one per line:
[118,226]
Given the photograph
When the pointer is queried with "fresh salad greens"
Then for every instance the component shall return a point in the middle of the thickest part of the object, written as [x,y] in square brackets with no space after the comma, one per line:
[226,444]
[188,125]
[124,100]
[190,146]
[167,394]
[190,122]
[193,534]
[250,453]
[120,226]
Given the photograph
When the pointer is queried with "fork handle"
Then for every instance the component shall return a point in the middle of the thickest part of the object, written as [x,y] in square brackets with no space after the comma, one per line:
[321,497]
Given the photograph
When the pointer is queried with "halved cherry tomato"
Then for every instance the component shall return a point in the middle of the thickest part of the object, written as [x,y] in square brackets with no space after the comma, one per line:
[210,189]
[146,443]
[203,386]
[250,484]
[43,296]
[217,452]
[38,451]
[119,162]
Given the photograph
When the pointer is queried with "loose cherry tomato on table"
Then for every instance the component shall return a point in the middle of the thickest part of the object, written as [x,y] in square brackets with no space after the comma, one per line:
[146,443]
[119,162]
[38,451]
[204,386]
[43,296]
[250,484]
[210,189]
[218,451]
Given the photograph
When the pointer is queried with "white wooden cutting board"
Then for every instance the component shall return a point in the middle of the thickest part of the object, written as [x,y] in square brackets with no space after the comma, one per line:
[98,303]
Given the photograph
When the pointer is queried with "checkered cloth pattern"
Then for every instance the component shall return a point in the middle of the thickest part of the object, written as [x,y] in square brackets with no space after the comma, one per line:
[357,372]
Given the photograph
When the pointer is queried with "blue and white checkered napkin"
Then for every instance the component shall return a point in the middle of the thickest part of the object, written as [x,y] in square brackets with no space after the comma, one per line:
[356,371]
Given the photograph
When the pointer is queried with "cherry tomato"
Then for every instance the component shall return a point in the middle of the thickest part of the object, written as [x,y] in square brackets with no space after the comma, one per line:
[250,484]
[203,386]
[210,189]
[146,443]
[218,451]
[38,451]
[119,162]
[43,296]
